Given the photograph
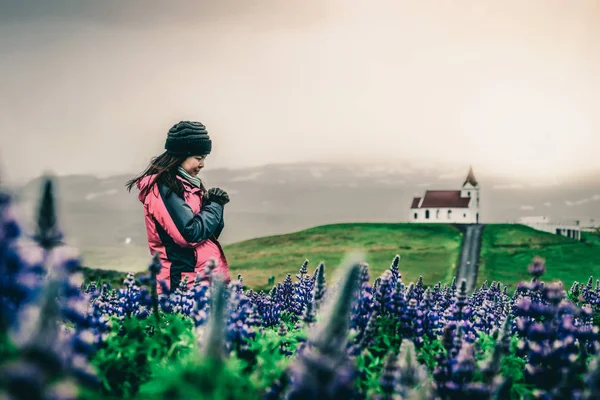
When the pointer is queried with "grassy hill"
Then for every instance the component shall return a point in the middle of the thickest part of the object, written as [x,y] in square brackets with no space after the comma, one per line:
[430,250]
[507,251]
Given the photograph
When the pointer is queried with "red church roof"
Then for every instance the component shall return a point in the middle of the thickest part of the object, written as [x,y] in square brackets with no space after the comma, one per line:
[442,199]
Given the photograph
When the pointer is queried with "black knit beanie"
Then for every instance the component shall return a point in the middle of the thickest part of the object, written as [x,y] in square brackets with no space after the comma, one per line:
[188,138]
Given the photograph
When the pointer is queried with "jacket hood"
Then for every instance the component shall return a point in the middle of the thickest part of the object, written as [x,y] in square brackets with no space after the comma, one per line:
[142,184]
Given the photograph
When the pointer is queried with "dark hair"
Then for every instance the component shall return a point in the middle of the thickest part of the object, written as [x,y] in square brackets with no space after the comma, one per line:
[165,167]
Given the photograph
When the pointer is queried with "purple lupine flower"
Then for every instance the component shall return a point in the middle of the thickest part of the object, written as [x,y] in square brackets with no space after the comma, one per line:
[199,294]
[592,380]
[388,380]
[320,285]
[324,370]
[537,268]
[242,319]
[285,294]
[376,284]
[575,290]
[460,313]
[130,297]
[419,290]
[268,309]
[50,348]
[310,313]
[554,336]
[394,270]
[283,344]
[63,301]
[465,366]
[362,307]
[150,298]
[384,296]
[491,366]
[412,326]
[411,374]
[400,298]
[212,339]
[21,282]
[303,291]
[484,318]
[442,373]
[433,315]
[181,300]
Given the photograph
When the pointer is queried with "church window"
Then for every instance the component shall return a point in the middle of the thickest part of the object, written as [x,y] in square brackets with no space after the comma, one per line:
[449,214]
[469,194]
[464,215]
[416,215]
[426,214]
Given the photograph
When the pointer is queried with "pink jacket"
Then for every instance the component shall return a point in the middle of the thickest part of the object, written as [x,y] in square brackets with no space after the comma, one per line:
[184,231]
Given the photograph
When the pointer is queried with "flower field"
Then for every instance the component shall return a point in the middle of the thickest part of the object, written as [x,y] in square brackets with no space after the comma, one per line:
[309,337]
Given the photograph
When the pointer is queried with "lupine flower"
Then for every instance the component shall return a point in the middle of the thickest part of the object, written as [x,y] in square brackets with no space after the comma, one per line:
[282,332]
[394,270]
[389,377]
[212,339]
[242,319]
[384,296]
[268,309]
[362,307]
[320,286]
[324,370]
[310,313]
[303,291]
[411,373]
[537,268]
[553,336]
[284,294]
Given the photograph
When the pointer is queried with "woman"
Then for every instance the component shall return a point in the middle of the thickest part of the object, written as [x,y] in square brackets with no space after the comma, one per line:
[183,219]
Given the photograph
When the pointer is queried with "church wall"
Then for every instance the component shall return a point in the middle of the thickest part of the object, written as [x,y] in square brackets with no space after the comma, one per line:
[457,215]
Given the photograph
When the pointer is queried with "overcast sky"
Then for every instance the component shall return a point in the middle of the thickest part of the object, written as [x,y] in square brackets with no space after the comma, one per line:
[509,86]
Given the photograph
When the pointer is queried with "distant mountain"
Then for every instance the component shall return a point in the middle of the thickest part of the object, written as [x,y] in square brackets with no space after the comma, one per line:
[99,216]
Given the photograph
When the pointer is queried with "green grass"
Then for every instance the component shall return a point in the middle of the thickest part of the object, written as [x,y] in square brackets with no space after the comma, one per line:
[430,250]
[507,251]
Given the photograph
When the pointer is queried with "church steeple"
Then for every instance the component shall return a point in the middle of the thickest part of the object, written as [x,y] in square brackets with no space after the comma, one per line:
[471,178]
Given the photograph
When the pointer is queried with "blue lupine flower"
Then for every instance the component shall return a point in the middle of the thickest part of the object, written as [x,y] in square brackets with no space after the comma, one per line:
[324,370]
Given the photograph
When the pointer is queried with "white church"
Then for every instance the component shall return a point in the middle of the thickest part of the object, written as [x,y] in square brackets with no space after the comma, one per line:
[448,206]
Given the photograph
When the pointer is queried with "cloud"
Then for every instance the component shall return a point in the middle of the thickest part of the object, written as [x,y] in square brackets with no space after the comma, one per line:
[527,208]
[391,181]
[92,196]
[570,203]
[509,186]
[317,172]
[245,178]
[548,204]
[544,184]
[452,175]
[227,62]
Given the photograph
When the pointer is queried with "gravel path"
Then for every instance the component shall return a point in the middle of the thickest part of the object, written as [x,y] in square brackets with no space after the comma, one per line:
[469,255]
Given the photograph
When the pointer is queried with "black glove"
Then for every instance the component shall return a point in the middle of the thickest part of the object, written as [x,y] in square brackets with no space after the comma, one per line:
[218,196]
